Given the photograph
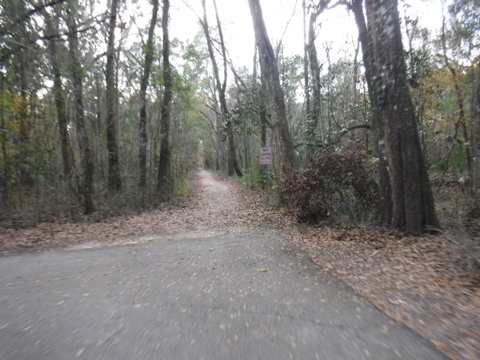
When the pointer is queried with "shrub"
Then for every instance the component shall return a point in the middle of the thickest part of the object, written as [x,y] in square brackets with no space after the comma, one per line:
[336,187]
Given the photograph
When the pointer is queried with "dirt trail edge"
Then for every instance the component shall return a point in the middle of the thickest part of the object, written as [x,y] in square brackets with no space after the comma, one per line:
[208,282]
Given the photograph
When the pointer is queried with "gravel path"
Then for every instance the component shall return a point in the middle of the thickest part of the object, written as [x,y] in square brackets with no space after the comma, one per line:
[209,284]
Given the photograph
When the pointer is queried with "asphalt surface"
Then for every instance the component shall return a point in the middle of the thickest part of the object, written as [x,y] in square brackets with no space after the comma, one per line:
[243,296]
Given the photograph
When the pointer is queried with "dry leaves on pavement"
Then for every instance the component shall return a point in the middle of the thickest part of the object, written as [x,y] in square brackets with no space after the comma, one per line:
[427,283]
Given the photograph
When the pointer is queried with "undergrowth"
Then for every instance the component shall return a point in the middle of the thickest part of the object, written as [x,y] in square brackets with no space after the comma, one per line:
[62,203]
[337,187]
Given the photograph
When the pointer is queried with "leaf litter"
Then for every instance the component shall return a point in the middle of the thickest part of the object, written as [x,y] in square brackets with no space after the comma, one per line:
[428,283]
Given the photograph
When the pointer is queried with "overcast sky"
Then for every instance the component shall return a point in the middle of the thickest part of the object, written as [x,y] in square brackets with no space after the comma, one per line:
[338,27]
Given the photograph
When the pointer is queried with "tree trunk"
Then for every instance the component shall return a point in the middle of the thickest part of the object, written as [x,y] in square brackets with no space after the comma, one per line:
[476,135]
[315,75]
[98,126]
[263,119]
[366,42]
[59,98]
[306,80]
[221,89]
[114,180]
[163,183]
[77,81]
[6,164]
[262,101]
[24,118]
[232,155]
[143,97]
[412,200]
[217,128]
[274,92]
[461,121]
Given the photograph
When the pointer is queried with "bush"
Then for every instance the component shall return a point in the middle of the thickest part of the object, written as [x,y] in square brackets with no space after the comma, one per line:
[336,187]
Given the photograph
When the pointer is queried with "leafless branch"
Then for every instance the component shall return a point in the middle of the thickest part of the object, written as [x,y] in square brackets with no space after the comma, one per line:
[24,17]
[339,137]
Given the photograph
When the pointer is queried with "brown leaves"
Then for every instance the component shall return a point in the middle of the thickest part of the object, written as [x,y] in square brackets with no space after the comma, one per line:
[335,187]
[426,283]
[414,280]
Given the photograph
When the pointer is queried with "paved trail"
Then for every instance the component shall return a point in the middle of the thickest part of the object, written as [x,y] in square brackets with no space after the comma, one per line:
[207,294]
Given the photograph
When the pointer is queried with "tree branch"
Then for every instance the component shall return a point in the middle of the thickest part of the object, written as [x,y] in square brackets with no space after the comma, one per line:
[36,8]
[339,137]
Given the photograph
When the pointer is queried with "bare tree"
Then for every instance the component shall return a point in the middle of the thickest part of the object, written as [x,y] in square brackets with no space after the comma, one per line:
[476,136]
[274,91]
[306,77]
[114,180]
[461,120]
[147,68]
[5,168]
[314,115]
[77,81]
[163,183]
[58,94]
[221,87]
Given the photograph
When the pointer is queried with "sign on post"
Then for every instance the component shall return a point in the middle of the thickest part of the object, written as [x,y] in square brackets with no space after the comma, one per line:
[266,156]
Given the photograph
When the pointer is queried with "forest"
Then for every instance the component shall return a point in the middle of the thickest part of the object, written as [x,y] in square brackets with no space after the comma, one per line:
[104,110]
[228,139]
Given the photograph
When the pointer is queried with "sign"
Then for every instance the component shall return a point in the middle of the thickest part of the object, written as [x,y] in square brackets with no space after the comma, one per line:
[266,156]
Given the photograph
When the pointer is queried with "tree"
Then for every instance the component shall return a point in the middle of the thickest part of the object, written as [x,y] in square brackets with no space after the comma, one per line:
[465,38]
[465,26]
[476,135]
[19,54]
[366,42]
[5,167]
[164,161]
[411,196]
[221,88]
[147,68]
[23,15]
[114,180]
[314,112]
[58,93]
[461,120]
[77,81]
[274,91]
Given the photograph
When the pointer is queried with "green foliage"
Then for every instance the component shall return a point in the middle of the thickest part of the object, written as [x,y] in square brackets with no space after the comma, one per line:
[419,66]
[456,164]
[182,187]
[254,178]
[291,71]
[248,107]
